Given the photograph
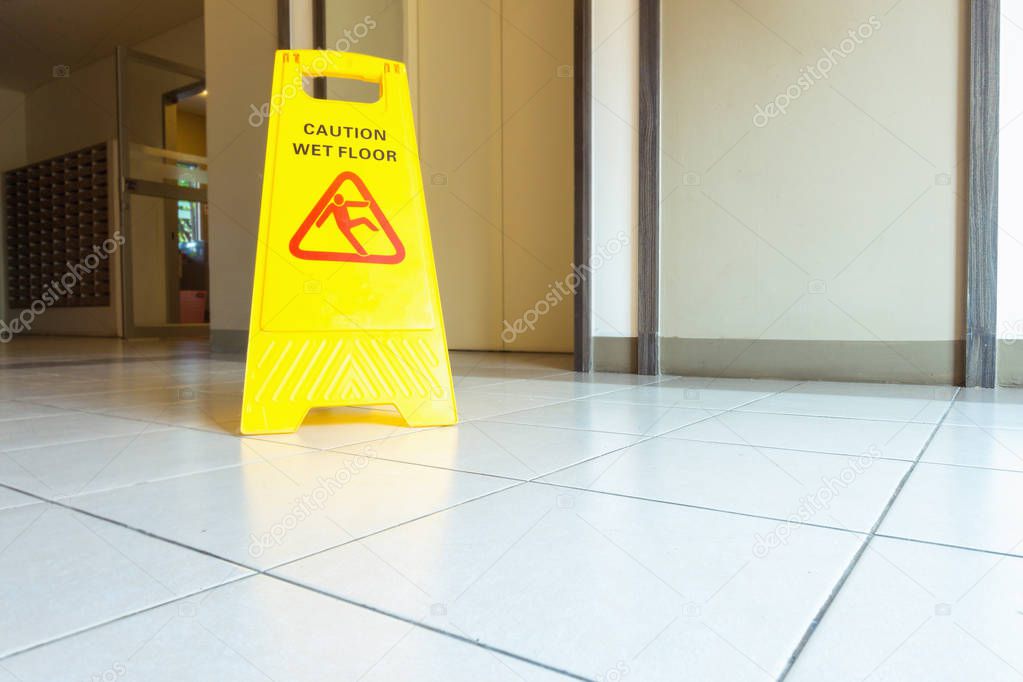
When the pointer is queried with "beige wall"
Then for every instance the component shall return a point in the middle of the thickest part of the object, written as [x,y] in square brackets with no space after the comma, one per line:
[840,220]
[191,133]
[239,62]
[461,157]
[495,135]
[374,27]
[537,183]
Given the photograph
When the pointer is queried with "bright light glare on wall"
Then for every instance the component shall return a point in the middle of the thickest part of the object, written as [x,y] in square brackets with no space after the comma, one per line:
[1010,176]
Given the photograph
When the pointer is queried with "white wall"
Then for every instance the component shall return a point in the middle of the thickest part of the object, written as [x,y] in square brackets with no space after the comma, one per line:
[1010,199]
[615,111]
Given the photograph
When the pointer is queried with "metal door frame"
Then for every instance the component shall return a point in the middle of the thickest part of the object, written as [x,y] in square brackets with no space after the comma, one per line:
[123,56]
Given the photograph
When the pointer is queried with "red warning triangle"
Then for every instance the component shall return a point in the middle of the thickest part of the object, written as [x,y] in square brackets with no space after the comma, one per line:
[347,225]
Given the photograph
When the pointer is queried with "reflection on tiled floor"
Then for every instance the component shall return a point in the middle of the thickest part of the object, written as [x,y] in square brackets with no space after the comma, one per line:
[601,527]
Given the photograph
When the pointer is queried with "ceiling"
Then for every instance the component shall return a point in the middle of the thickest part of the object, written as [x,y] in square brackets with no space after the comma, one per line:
[39,36]
[196,104]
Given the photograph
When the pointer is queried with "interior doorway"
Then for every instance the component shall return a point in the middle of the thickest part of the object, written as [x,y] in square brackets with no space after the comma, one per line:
[187,268]
[163,179]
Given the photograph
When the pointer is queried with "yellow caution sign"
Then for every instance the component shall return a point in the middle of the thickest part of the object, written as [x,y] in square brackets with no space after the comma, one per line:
[345,306]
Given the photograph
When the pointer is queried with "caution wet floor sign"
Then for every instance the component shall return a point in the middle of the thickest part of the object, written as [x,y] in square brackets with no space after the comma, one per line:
[345,306]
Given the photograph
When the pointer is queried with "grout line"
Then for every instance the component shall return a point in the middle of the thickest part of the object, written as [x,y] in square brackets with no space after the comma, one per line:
[854,561]
[802,451]
[513,484]
[426,626]
[855,419]
[686,505]
[835,453]
[75,362]
[935,543]
[124,616]
[65,505]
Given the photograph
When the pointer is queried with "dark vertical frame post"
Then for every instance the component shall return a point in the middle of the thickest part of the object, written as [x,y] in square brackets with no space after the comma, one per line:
[283,24]
[649,185]
[583,232]
[982,237]
[124,204]
[320,43]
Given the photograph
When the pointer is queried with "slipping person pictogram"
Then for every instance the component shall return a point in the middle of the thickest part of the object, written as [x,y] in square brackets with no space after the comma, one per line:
[379,242]
[338,209]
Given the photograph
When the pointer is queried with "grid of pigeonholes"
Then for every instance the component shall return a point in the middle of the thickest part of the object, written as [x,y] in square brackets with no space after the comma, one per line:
[56,211]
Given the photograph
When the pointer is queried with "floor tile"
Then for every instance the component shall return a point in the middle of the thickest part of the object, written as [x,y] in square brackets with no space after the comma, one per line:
[974,446]
[987,408]
[839,491]
[911,611]
[463,382]
[591,415]
[266,513]
[481,403]
[896,402]
[201,411]
[261,629]
[498,449]
[67,428]
[895,440]
[977,508]
[598,584]
[12,498]
[61,571]
[10,409]
[503,373]
[113,400]
[636,577]
[57,387]
[474,358]
[551,390]
[711,394]
[623,380]
[54,471]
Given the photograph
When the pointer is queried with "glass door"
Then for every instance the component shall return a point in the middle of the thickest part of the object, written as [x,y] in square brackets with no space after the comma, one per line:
[161,112]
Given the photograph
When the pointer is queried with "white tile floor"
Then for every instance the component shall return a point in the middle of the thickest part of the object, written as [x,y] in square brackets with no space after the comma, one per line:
[604,527]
